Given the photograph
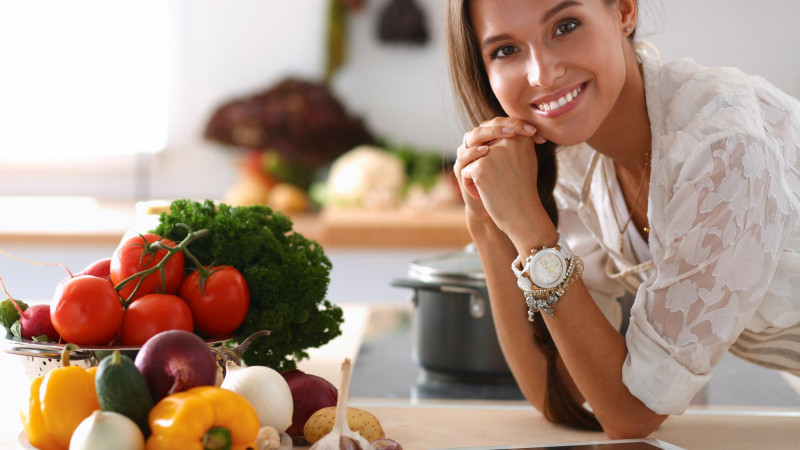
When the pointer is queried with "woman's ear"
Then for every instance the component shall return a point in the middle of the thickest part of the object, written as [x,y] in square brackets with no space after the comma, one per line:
[628,13]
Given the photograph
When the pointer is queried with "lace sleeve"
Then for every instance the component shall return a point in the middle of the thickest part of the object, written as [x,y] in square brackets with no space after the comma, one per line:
[715,251]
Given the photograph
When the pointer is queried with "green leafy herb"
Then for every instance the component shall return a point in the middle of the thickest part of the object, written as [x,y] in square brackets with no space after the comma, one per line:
[423,167]
[42,338]
[9,314]
[287,275]
[16,329]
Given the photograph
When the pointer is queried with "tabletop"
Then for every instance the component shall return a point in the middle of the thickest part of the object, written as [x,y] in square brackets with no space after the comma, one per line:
[456,423]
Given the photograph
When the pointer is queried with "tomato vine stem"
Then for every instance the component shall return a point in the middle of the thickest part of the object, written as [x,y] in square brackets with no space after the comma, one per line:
[180,247]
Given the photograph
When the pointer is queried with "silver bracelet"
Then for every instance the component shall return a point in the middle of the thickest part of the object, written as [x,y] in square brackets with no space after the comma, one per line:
[544,299]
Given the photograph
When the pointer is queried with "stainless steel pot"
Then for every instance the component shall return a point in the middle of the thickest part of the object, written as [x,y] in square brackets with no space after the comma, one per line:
[453,329]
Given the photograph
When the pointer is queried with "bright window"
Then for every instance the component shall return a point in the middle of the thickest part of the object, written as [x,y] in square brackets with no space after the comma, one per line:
[82,78]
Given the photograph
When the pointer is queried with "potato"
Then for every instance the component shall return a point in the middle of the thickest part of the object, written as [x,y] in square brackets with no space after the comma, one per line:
[321,423]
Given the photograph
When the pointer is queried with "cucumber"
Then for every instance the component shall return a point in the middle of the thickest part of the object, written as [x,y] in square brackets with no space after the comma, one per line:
[121,388]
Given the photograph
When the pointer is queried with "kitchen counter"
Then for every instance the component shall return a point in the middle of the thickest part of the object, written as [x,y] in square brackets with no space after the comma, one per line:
[79,219]
[435,422]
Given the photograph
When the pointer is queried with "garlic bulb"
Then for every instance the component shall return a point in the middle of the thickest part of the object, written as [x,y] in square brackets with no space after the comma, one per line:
[105,429]
[342,437]
[266,390]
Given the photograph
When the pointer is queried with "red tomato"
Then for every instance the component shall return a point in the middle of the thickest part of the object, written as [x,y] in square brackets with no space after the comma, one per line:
[86,310]
[152,314]
[221,305]
[131,257]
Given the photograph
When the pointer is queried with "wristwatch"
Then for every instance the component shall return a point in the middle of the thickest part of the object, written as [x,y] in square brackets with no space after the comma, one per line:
[545,268]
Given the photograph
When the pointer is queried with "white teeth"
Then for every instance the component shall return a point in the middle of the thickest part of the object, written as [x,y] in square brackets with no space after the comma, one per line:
[555,104]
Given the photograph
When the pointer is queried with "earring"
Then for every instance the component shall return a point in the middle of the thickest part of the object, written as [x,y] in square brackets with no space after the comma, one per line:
[627,29]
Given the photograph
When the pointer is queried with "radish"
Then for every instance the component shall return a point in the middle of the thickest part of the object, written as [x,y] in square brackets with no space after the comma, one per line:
[100,269]
[34,321]
[174,361]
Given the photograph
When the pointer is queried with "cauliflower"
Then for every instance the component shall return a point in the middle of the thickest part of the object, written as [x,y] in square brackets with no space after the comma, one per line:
[366,176]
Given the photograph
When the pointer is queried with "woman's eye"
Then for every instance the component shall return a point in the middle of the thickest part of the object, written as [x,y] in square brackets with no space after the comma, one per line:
[566,26]
[504,51]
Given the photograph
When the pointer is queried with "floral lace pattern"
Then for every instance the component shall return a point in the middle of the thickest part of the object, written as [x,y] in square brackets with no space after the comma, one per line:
[723,210]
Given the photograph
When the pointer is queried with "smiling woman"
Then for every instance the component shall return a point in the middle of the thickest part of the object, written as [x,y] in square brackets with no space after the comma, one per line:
[569,119]
[82,79]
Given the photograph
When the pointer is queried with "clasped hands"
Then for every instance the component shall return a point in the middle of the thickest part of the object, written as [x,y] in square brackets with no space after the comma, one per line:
[496,168]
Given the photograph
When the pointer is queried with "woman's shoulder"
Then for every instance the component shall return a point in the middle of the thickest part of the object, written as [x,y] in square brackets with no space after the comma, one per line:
[687,96]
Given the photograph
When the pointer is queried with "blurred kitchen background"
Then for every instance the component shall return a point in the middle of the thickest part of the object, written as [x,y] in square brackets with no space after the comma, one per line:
[105,105]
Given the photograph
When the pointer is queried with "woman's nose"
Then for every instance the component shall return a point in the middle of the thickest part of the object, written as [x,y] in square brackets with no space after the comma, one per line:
[544,67]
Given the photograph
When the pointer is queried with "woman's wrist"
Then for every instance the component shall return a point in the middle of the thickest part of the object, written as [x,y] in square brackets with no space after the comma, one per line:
[533,230]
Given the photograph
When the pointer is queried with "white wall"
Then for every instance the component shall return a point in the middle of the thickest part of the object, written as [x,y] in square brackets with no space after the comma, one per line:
[222,50]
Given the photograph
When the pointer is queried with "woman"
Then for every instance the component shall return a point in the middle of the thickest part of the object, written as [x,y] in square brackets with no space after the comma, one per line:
[676,183]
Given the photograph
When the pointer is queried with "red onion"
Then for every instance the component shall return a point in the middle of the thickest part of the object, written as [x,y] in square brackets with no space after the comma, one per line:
[310,393]
[174,361]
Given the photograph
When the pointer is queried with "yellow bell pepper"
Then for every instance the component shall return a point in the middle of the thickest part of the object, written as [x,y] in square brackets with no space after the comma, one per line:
[57,404]
[204,417]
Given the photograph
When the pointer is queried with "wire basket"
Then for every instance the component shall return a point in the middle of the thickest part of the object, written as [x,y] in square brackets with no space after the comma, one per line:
[38,358]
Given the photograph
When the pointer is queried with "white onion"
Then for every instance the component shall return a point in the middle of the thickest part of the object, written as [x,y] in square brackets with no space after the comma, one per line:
[106,429]
[266,390]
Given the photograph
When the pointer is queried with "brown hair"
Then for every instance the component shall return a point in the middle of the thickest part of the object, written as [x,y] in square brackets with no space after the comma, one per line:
[478,103]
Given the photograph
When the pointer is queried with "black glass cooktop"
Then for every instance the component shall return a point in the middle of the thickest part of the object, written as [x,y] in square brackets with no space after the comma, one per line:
[385,368]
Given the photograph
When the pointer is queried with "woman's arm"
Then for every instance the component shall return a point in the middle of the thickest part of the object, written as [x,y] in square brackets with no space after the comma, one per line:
[514,332]
[592,351]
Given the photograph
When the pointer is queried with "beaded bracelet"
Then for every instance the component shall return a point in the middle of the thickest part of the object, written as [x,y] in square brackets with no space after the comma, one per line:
[544,299]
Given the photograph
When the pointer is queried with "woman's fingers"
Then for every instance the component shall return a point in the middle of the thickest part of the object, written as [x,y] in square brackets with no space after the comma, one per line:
[467,181]
[468,154]
[465,156]
[499,128]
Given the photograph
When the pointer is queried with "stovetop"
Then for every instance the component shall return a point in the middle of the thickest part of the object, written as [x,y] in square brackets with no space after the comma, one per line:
[385,368]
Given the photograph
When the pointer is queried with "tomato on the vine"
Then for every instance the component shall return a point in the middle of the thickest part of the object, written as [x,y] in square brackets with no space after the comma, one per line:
[134,255]
[86,310]
[152,314]
[219,303]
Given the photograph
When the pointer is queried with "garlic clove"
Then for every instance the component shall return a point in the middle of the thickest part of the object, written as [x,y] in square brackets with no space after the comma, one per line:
[385,444]
[341,436]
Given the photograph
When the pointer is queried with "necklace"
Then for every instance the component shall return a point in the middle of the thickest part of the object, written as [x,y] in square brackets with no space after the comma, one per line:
[623,228]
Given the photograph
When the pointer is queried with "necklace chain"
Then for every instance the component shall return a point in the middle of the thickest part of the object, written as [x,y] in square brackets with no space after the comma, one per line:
[622,229]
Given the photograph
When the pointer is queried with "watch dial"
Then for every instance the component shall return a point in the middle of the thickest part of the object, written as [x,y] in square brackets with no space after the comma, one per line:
[548,269]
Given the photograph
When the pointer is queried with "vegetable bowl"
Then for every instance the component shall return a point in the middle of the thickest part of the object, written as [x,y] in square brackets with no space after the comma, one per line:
[38,358]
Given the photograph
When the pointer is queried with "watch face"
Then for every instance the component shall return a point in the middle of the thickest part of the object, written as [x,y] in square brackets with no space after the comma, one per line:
[548,268]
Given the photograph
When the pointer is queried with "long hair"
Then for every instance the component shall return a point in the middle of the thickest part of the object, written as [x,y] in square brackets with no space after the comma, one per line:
[477,103]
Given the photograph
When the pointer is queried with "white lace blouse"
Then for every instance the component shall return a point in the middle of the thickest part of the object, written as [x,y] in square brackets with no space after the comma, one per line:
[724,240]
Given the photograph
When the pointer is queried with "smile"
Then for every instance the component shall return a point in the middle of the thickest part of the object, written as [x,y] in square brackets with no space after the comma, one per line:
[560,102]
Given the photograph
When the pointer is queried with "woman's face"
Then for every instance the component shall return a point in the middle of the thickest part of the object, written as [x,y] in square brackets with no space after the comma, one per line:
[558,64]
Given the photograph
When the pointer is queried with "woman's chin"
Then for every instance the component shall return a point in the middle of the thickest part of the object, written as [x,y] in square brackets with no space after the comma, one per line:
[566,139]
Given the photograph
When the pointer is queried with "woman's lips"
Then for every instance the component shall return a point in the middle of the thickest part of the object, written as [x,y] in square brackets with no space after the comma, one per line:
[560,105]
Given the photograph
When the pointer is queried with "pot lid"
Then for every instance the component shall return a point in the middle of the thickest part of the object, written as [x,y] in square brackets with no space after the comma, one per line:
[463,265]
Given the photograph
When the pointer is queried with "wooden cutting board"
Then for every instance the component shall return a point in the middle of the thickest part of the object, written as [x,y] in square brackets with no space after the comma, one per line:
[444,227]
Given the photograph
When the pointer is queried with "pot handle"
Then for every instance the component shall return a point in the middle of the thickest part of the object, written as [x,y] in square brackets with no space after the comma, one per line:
[477,303]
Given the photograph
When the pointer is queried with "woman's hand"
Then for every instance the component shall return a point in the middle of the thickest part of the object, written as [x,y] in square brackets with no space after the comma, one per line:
[476,145]
[501,172]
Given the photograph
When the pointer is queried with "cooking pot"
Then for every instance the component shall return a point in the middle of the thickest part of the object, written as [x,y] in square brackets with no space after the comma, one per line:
[452,326]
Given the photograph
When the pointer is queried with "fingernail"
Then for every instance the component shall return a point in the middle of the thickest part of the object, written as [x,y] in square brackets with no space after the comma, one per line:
[482,149]
[508,130]
[529,128]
